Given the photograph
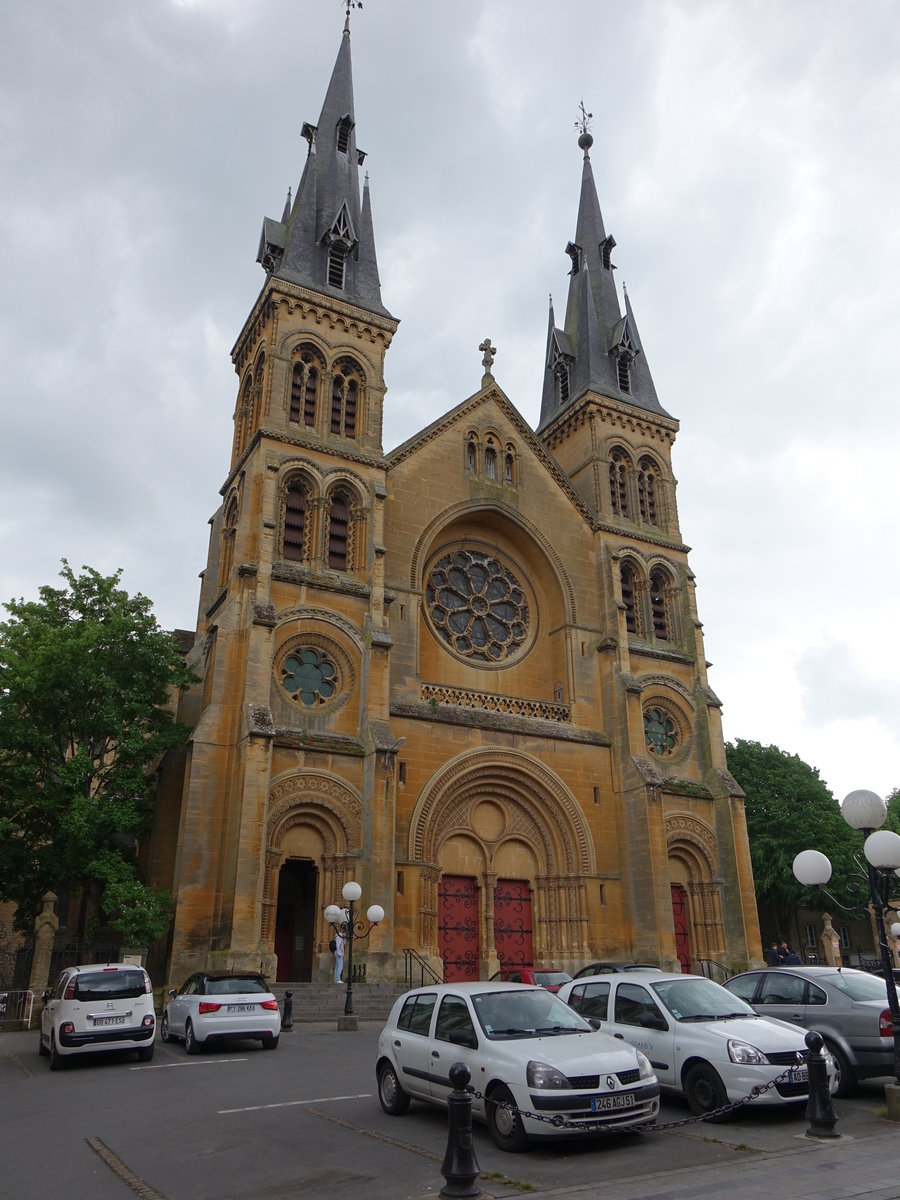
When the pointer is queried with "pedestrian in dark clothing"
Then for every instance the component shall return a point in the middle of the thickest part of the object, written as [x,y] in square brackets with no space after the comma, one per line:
[772,956]
[783,952]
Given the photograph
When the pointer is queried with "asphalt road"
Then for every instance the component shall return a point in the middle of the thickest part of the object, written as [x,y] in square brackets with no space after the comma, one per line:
[304,1122]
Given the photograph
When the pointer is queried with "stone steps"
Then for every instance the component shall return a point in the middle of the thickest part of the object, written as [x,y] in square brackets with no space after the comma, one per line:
[325,1001]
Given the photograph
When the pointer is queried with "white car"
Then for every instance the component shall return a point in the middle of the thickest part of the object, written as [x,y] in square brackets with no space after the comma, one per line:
[220,1008]
[703,1042]
[99,1006]
[531,1060]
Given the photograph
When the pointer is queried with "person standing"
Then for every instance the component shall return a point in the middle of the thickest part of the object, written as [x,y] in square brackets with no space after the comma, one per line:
[772,957]
[339,939]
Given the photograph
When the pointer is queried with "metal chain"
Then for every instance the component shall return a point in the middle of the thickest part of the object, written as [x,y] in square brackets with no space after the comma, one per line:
[560,1122]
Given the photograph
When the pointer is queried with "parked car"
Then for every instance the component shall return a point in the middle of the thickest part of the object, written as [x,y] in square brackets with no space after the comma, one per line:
[219,1008]
[551,980]
[99,1006]
[703,1042]
[848,1007]
[525,1049]
[608,968]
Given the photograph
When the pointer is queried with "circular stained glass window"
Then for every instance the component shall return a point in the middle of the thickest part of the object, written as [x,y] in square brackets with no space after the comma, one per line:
[660,731]
[477,606]
[309,676]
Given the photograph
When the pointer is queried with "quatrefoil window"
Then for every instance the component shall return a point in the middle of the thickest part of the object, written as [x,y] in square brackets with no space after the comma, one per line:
[309,676]
[660,731]
[477,606]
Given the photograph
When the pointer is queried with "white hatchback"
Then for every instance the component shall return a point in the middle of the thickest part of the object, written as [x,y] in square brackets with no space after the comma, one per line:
[535,1066]
[219,1008]
[703,1042]
[99,1006]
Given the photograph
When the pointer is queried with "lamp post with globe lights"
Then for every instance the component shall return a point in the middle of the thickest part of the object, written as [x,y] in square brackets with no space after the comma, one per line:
[356,928]
[878,872]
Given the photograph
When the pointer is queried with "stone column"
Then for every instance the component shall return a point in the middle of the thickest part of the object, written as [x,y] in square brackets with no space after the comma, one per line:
[45,927]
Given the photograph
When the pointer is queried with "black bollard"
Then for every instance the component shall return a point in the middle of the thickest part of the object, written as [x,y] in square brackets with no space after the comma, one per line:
[819,1109]
[287,1016]
[460,1167]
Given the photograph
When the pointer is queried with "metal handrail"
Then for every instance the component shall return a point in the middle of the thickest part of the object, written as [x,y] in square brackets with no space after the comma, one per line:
[414,964]
[706,965]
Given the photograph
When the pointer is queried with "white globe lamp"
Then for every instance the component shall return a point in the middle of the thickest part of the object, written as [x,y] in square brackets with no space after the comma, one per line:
[811,868]
[351,891]
[864,810]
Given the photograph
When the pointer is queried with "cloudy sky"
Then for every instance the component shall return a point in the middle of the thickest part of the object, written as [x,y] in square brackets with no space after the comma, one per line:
[747,160]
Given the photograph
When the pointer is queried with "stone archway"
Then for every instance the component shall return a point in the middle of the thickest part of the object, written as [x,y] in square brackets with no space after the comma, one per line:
[693,856]
[522,823]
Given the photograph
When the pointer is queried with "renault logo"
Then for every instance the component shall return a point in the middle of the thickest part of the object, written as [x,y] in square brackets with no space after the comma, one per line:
[610,1082]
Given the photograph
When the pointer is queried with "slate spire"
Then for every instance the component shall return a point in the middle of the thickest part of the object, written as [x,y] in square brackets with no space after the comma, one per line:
[326,240]
[599,349]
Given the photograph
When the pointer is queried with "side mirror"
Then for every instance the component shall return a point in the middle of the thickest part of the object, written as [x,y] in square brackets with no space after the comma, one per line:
[172,992]
[595,1023]
[45,996]
[650,1021]
[464,1038]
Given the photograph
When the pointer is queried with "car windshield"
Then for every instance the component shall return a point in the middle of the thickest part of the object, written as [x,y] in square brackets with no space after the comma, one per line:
[551,978]
[525,1014]
[700,1000]
[855,984]
[109,985]
[235,985]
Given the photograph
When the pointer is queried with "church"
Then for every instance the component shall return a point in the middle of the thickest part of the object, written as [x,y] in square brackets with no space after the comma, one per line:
[467,673]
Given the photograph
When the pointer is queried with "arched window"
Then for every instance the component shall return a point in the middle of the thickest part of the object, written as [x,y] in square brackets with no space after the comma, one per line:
[659,604]
[619,465]
[346,389]
[490,463]
[628,577]
[471,457]
[259,374]
[242,415]
[226,556]
[509,462]
[647,477]
[305,389]
[343,134]
[339,531]
[296,503]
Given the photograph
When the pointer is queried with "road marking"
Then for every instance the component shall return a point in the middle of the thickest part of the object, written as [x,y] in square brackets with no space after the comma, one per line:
[210,1062]
[26,1071]
[295,1103]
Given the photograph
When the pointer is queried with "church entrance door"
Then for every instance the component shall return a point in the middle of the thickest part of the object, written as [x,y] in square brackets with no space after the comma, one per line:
[295,920]
[458,927]
[512,923]
[680,915]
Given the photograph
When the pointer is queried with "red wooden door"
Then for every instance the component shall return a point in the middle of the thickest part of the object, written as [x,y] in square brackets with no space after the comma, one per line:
[512,923]
[458,927]
[682,940]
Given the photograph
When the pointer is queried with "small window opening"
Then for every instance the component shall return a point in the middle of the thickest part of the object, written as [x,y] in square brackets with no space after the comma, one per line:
[658,605]
[623,369]
[402,612]
[401,773]
[399,883]
[336,266]
[343,135]
[647,491]
[627,577]
[490,463]
[558,692]
[618,483]
[606,249]
[294,520]
[596,795]
[508,468]
[339,531]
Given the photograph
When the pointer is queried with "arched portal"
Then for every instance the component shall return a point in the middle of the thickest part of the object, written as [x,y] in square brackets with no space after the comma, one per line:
[505,823]
[696,889]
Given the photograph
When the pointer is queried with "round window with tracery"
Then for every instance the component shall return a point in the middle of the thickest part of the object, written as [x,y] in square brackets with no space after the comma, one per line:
[477,606]
[660,731]
[309,676]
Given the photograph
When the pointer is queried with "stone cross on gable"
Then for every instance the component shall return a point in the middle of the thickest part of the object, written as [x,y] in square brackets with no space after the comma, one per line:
[488,361]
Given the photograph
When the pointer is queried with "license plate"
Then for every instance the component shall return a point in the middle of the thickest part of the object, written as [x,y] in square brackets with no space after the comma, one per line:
[612,1103]
[240,1008]
[109,1020]
[799,1075]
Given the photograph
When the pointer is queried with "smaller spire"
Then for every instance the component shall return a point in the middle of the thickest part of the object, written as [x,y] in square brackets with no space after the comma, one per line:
[286,215]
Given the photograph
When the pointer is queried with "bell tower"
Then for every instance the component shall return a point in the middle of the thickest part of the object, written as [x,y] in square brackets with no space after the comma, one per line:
[291,645]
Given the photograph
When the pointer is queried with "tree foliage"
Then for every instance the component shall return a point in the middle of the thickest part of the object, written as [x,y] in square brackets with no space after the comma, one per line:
[789,809]
[86,676]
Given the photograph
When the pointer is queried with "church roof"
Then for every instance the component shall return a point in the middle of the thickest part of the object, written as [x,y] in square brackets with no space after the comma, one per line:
[599,350]
[325,240]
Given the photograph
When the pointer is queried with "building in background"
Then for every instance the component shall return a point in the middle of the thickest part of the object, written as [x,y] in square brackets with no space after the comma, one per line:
[468,673]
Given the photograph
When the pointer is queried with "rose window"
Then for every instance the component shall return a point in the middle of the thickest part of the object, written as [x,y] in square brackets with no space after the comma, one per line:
[309,676]
[477,605]
[660,731]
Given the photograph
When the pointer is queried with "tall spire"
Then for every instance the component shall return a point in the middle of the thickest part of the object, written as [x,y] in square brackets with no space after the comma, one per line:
[326,241]
[599,349]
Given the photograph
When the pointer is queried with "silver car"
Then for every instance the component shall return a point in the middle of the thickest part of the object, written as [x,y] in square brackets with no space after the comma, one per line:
[848,1007]
[219,1008]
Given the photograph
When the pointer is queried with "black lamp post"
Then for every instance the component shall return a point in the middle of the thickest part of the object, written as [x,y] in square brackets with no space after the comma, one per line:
[878,872]
[356,928]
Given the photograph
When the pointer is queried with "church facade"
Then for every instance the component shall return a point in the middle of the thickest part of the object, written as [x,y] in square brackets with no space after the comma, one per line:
[467,673]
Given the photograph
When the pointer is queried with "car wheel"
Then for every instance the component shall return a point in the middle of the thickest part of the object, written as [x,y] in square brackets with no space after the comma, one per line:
[164,1031]
[269,1042]
[504,1124]
[146,1053]
[845,1081]
[42,1049]
[56,1059]
[391,1095]
[704,1090]
[191,1045]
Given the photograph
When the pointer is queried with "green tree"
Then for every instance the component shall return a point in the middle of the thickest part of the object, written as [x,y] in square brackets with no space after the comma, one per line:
[892,821]
[789,809]
[86,678]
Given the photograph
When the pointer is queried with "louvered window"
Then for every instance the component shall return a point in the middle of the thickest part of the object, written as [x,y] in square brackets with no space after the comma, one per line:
[647,491]
[623,369]
[658,585]
[618,483]
[490,463]
[628,597]
[338,532]
[343,135]
[336,266]
[345,400]
[295,506]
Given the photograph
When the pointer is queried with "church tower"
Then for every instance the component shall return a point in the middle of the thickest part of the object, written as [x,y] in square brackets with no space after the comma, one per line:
[469,673]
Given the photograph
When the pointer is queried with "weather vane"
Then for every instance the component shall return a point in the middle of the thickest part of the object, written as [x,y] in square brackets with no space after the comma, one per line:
[584,121]
[351,4]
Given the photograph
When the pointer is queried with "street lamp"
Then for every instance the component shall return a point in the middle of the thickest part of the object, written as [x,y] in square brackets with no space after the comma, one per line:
[866,811]
[336,917]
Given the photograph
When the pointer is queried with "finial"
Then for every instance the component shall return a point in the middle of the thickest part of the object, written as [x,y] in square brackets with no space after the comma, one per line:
[585,141]
[350,4]
[488,361]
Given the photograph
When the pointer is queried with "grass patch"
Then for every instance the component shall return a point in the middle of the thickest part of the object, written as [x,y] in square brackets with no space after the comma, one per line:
[499,1177]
